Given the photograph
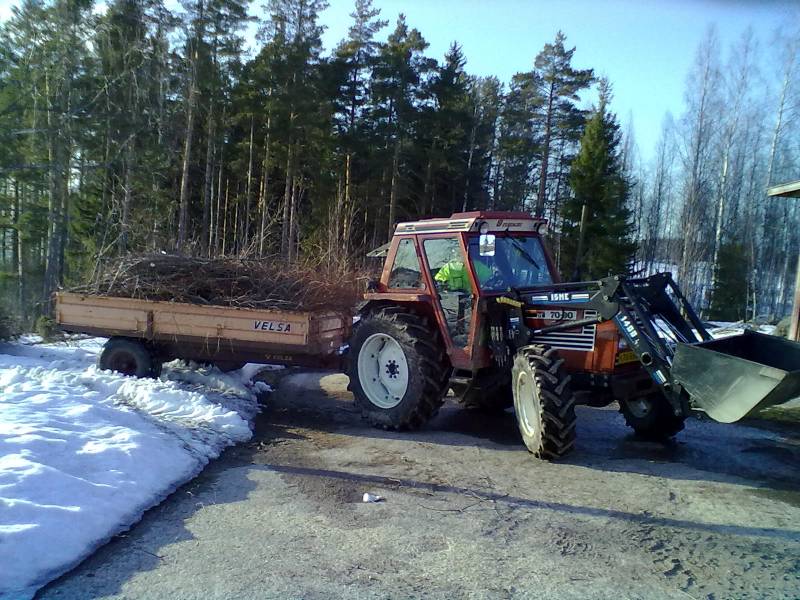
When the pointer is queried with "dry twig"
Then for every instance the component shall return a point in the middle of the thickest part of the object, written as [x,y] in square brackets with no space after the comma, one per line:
[266,283]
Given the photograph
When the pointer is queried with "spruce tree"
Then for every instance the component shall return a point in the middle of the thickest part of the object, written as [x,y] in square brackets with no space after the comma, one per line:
[597,221]
[729,295]
[398,89]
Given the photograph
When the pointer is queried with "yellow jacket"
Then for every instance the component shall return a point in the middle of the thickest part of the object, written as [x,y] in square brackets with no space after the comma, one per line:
[454,274]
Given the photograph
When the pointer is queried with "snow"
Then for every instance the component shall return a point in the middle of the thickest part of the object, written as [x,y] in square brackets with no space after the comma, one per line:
[83,452]
[720,329]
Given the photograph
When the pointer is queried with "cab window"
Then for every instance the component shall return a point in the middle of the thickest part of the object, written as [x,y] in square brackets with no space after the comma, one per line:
[517,262]
[406,272]
[450,275]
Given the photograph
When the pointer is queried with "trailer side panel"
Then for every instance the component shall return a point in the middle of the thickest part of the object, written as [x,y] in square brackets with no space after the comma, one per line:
[181,330]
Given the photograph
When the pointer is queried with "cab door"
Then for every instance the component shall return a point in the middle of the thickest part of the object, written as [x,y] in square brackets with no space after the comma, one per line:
[454,292]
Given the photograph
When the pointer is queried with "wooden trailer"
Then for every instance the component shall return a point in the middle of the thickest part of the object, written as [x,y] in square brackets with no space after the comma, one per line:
[221,335]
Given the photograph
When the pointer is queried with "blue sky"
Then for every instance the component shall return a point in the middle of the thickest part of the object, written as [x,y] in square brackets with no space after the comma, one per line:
[645,47]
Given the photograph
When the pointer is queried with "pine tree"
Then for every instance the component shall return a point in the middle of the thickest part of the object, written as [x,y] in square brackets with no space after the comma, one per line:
[559,84]
[596,238]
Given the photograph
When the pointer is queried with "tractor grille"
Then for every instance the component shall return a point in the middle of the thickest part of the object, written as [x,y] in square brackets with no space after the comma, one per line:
[582,340]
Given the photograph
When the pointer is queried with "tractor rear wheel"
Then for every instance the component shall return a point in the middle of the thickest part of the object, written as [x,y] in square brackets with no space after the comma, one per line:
[543,401]
[397,369]
[651,416]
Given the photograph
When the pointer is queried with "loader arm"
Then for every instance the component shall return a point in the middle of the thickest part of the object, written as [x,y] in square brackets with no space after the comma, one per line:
[657,322]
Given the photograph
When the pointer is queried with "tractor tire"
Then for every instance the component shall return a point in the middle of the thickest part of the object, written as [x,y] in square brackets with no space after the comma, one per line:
[651,416]
[128,357]
[397,369]
[543,402]
[491,402]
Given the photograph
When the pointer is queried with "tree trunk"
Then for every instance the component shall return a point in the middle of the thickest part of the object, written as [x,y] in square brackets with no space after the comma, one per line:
[248,190]
[55,156]
[264,194]
[545,154]
[287,200]
[723,181]
[293,224]
[395,183]
[347,213]
[225,216]
[19,261]
[581,240]
[205,232]
[125,210]
[216,247]
[183,209]
[469,158]
[427,190]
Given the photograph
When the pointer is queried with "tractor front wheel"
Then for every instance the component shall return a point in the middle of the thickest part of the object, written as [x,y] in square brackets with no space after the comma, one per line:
[651,416]
[543,402]
[397,369]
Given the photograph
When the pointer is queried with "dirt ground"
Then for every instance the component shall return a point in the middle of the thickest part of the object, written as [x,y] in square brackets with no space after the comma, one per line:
[468,513]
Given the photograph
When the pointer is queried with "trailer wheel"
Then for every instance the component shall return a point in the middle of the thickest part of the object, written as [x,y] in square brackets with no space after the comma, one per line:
[129,357]
[651,416]
[543,402]
[397,369]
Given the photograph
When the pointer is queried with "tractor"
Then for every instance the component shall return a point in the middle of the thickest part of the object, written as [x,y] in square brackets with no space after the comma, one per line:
[473,304]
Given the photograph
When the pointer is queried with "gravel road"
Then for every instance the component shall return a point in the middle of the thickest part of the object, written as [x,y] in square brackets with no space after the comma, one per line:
[468,513]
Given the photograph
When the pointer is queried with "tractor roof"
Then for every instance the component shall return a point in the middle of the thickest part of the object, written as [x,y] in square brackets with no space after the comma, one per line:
[497,221]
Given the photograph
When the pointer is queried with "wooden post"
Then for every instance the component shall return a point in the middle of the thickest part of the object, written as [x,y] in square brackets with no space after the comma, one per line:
[791,190]
[793,328]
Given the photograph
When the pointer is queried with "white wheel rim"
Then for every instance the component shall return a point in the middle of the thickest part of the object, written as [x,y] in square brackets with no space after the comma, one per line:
[527,408]
[383,370]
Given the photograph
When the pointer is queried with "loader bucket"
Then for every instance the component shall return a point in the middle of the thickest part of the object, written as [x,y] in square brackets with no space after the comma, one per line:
[729,377]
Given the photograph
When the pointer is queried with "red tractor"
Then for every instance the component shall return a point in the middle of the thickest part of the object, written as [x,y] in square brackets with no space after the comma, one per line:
[474,304]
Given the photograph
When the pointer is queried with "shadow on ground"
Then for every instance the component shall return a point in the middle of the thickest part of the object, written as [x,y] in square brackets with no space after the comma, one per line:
[704,451]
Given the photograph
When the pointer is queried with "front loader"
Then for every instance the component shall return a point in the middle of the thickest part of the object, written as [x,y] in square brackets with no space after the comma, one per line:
[473,304]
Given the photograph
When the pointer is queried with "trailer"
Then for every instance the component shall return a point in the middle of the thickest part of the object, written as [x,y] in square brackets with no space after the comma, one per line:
[144,334]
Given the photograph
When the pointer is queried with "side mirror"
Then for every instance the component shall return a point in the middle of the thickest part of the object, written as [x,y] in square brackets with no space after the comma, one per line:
[486,244]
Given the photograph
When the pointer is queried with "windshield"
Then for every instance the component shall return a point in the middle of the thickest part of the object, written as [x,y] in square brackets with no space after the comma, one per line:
[518,262]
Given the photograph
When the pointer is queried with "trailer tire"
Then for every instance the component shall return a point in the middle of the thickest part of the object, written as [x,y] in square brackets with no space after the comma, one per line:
[397,368]
[651,417]
[128,357]
[543,402]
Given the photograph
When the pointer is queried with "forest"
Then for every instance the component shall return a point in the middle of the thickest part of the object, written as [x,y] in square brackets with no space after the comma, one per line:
[144,129]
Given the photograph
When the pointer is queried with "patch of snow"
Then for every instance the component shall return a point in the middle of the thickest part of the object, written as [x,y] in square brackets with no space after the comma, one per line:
[84,452]
[720,329]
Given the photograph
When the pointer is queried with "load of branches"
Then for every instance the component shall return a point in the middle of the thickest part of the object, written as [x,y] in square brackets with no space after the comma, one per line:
[263,283]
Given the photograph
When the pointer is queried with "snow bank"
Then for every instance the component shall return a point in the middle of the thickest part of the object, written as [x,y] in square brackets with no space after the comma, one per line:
[83,453]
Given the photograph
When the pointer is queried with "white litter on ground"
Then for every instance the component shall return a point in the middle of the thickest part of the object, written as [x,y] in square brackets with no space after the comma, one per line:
[83,452]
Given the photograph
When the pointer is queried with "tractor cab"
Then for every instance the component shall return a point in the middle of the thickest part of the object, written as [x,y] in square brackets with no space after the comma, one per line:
[446,266]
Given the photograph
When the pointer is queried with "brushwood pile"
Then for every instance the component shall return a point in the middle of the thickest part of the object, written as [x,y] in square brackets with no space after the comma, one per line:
[264,283]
